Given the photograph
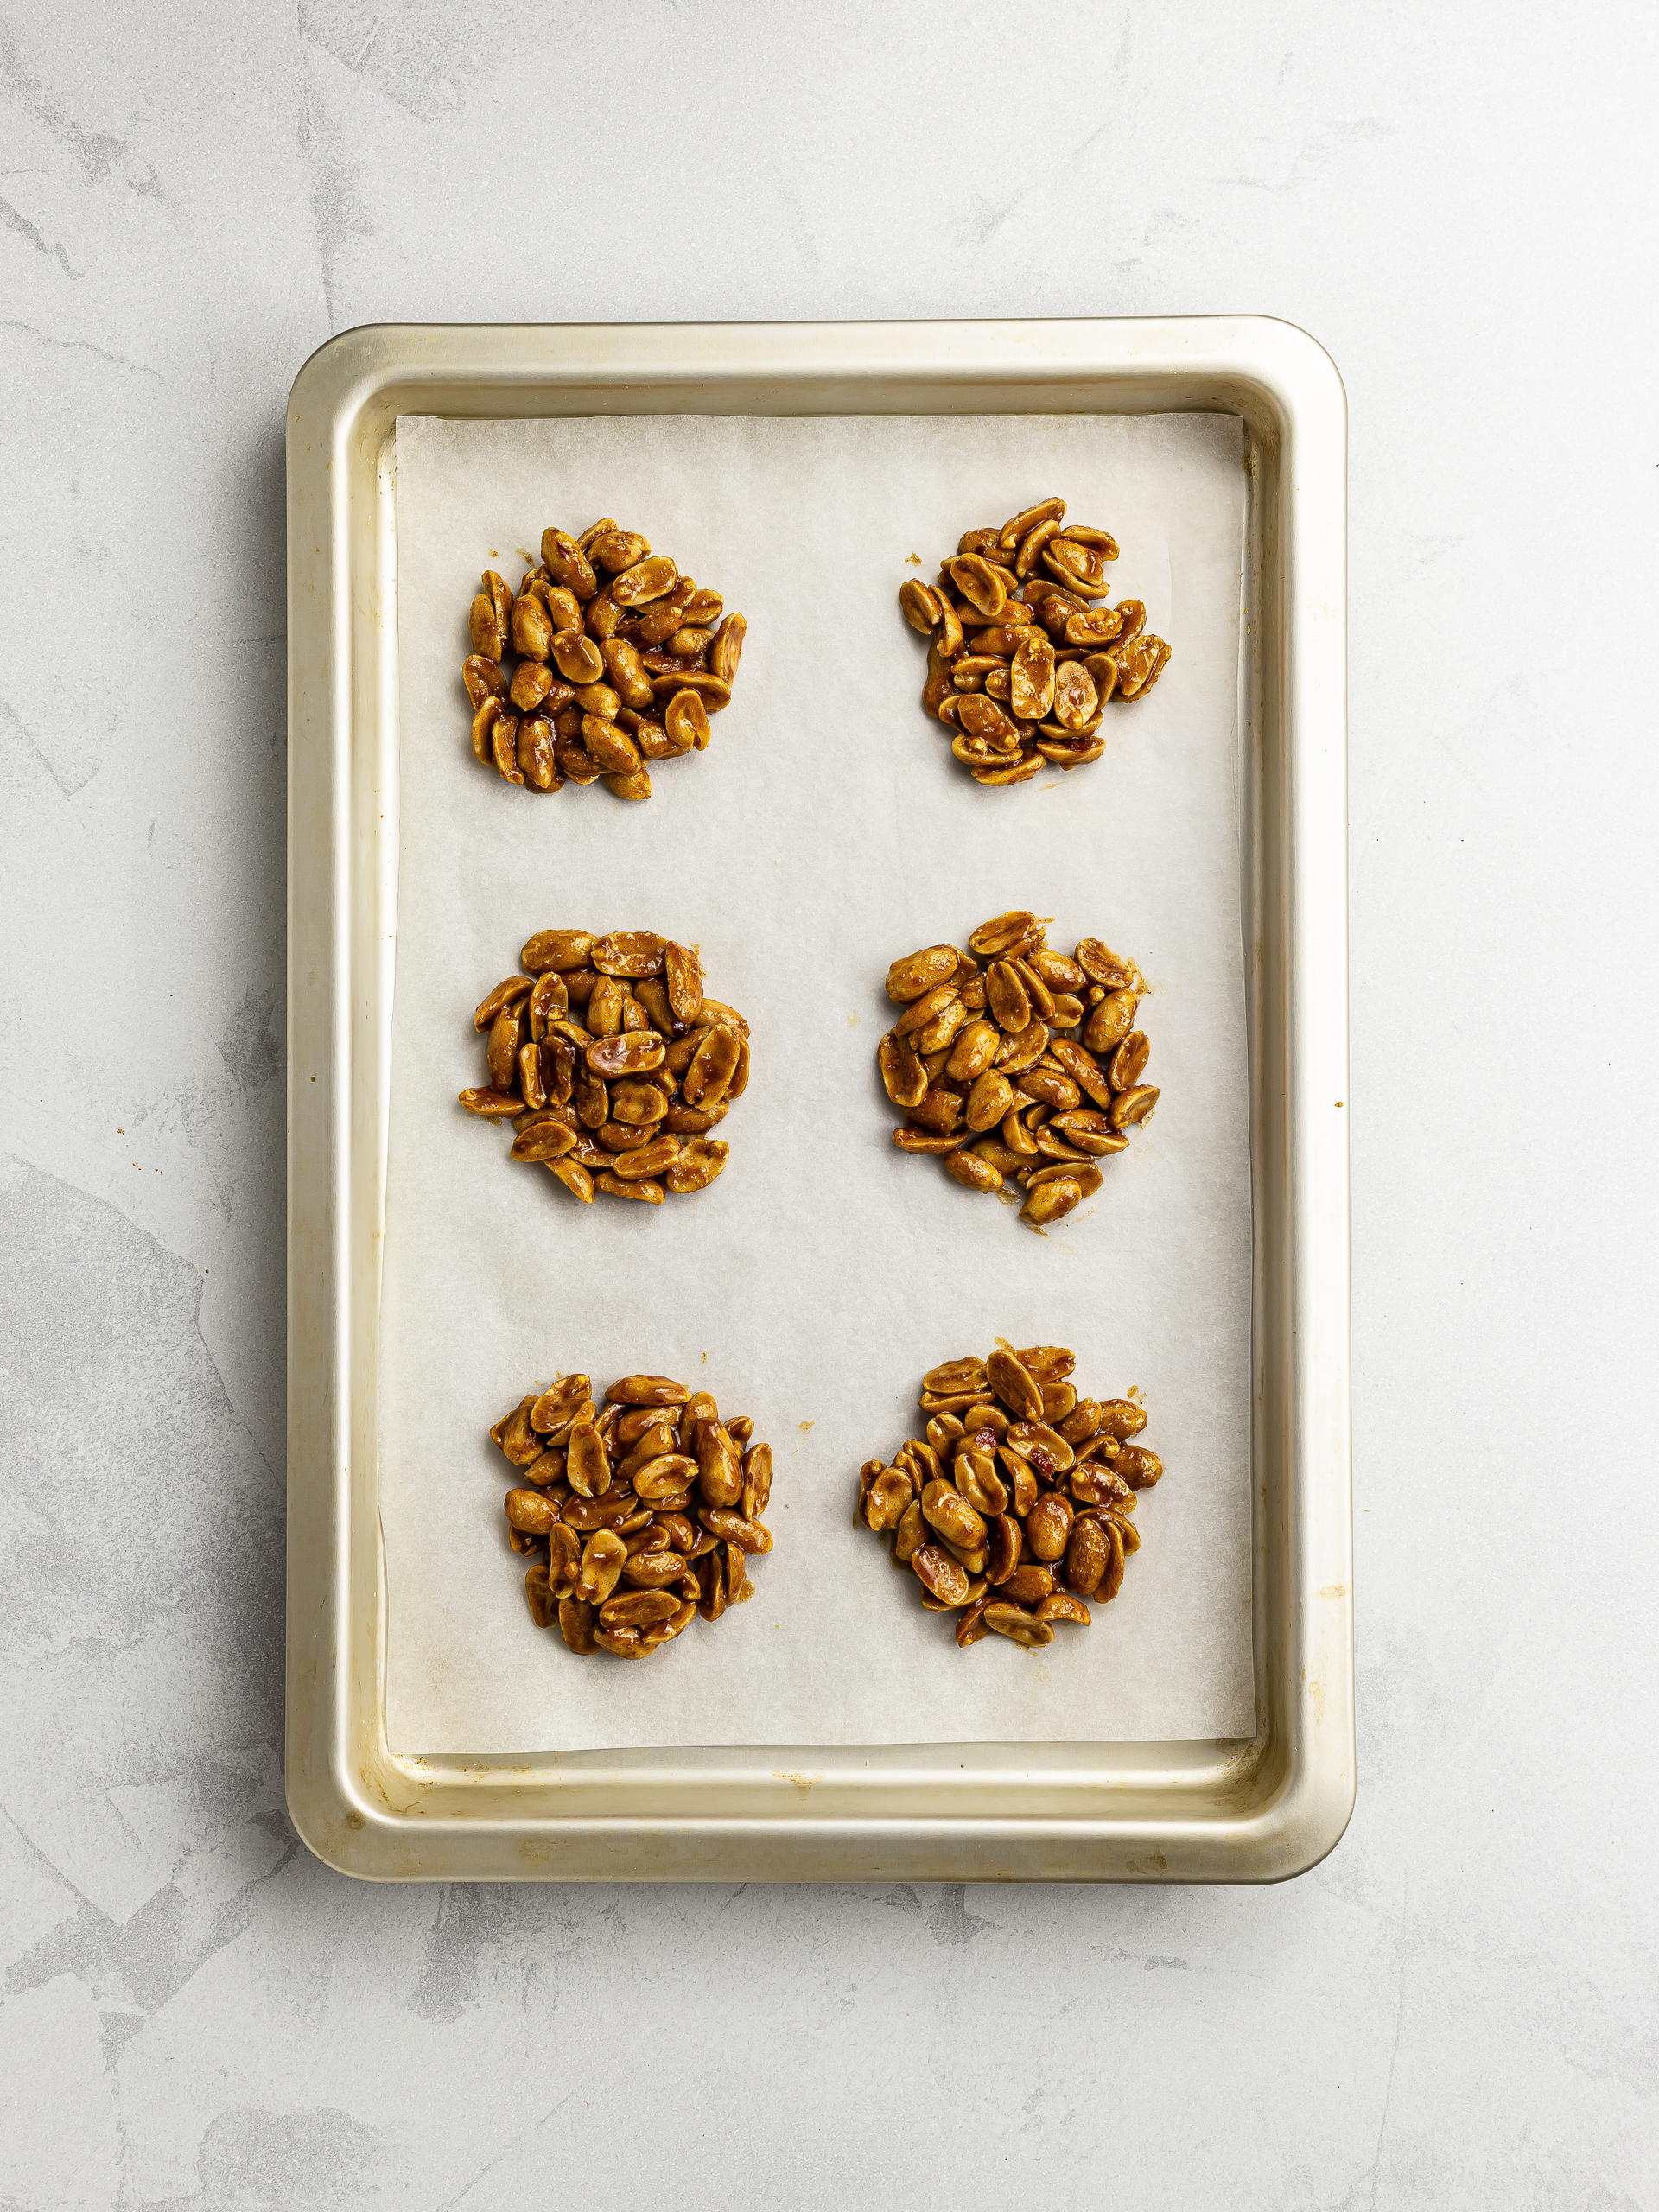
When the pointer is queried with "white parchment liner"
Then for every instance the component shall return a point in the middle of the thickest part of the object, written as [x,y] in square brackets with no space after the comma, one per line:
[825,831]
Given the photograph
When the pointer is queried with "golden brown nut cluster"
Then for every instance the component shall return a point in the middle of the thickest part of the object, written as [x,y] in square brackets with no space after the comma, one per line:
[607,658]
[636,1516]
[612,1063]
[1023,651]
[1016,1064]
[1015,1509]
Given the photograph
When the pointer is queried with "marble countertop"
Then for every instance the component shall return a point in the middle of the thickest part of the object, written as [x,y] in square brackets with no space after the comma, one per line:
[1459,2006]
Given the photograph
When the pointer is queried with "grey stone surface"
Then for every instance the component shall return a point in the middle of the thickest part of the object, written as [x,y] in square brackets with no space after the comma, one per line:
[1458,2008]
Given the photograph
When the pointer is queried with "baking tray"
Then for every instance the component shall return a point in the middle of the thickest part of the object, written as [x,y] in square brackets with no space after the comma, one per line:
[1255,1810]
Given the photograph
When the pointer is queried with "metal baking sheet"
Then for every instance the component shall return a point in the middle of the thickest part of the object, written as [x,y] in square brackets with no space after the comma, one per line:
[1254,1808]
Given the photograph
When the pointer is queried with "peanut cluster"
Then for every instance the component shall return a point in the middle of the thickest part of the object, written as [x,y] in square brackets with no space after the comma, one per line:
[612,1063]
[608,675]
[1025,1069]
[637,1518]
[1015,1510]
[1020,663]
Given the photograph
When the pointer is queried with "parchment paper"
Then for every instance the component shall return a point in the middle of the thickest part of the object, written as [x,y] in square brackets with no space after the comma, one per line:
[824,832]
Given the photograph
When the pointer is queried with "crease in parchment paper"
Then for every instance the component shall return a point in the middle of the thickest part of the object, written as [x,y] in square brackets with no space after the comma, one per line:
[825,831]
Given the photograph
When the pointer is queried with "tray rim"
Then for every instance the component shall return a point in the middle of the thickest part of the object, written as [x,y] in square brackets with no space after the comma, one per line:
[1257,1811]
